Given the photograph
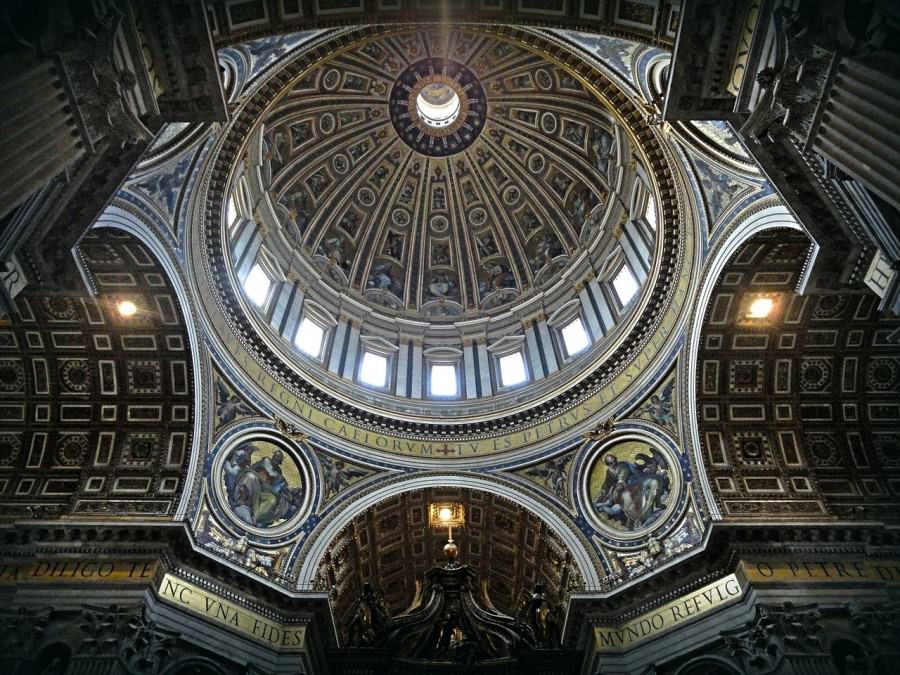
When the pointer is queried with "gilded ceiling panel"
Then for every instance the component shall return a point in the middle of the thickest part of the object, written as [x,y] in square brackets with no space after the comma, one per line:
[445,222]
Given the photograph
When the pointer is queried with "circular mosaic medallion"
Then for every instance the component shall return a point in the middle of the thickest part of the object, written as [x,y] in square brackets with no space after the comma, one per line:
[327,123]
[331,79]
[549,123]
[631,486]
[438,107]
[543,79]
[366,196]
[263,486]
[511,195]
[536,162]
[439,223]
[400,217]
[340,163]
[477,216]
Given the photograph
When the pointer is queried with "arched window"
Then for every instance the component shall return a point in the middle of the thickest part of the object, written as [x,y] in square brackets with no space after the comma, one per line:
[625,285]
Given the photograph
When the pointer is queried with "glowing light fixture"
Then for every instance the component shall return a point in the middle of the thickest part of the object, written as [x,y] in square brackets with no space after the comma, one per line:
[443,514]
[127,308]
[448,515]
[438,105]
[760,308]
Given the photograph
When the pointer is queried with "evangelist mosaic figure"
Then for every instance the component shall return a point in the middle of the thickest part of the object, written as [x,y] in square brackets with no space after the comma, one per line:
[258,487]
[635,490]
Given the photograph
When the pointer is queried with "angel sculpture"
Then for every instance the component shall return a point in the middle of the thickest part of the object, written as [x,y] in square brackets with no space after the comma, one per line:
[542,616]
[368,623]
[634,494]
[790,91]
[659,407]
[338,475]
[554,474]
[228,405]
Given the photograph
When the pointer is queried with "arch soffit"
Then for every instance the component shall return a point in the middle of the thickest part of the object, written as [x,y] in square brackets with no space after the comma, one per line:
[760,217]
[124,220]
[313,553]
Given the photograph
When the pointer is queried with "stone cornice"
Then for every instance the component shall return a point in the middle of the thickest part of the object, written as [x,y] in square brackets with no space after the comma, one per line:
[405,19]
[170,543]
[727,544]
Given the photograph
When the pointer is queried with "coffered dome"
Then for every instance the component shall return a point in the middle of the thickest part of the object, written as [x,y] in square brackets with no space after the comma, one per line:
[440,218]
[438,175]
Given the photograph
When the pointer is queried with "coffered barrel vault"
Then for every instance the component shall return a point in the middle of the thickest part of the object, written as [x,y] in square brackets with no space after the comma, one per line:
[391,545]
[797,409]
[98,404]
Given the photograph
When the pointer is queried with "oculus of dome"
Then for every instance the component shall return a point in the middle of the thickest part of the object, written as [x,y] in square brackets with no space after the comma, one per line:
[438,107]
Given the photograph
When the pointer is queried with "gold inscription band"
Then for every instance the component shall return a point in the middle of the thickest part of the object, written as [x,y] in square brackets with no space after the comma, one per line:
[661,620]
[78,571]
[465,448]
[770,571]
[278,636]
